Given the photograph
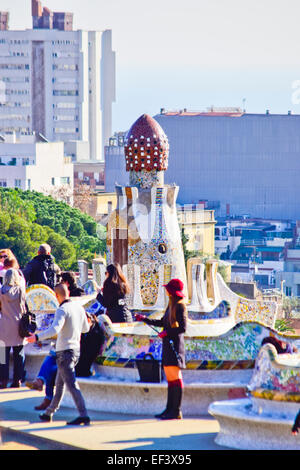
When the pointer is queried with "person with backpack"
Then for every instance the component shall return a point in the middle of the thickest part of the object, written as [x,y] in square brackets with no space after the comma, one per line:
[41,269]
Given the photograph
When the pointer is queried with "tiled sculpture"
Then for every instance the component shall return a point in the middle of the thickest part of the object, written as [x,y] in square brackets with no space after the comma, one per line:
[144,229]
[264,420]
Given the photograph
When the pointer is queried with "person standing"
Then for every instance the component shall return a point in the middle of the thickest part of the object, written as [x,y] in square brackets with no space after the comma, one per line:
[70,321]
[41,269]
[48,370]
[12,299]
[113,296]
[174,323]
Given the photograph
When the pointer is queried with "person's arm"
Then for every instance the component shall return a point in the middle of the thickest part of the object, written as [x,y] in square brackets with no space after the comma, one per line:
[149,321]
[55,328]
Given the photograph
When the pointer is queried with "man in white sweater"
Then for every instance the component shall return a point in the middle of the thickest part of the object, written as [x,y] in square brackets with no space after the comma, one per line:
[70,321]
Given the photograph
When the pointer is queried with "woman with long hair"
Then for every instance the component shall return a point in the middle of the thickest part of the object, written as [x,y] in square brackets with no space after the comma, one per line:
[174,324]
[12,299]
[113,296]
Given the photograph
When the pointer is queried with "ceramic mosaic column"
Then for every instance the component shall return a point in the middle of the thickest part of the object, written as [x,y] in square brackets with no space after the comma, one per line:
[98,271]
[144,229]
[83,268]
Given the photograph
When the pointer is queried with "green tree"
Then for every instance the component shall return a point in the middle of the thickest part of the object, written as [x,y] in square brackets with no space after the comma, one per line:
[29,218]
[62,250]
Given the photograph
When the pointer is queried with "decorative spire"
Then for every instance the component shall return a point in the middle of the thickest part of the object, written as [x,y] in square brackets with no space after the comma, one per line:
[146,146]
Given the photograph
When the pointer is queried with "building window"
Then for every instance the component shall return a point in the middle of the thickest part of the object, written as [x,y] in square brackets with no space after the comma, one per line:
[29,184]
[65,92]
[53,181]
[288,291]
[65,180]
[3,183]
[18,183]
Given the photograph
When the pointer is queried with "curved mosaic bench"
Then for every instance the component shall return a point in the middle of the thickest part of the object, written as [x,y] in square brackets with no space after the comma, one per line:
[209,344]
[264,420]
[276,376]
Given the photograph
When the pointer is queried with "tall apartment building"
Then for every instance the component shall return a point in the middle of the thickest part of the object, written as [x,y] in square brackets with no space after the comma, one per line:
[57,82]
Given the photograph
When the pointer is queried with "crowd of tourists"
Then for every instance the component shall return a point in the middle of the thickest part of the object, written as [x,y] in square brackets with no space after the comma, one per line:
[78,335]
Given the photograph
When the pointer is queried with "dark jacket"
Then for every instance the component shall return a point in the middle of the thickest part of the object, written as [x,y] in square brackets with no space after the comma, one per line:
[40,270]
[115,303]
[173,353]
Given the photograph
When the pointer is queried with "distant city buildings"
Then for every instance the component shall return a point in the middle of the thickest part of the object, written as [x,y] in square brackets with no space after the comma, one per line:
[289,278]
[31,163]
[57,82]
[255,247]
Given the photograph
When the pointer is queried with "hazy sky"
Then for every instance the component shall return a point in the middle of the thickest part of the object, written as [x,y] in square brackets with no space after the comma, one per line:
[191,54]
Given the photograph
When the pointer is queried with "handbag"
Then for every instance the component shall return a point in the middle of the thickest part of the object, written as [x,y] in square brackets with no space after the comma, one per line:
[27,323]
[149,369]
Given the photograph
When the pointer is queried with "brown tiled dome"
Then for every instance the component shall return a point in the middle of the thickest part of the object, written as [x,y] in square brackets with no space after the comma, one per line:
[146,146]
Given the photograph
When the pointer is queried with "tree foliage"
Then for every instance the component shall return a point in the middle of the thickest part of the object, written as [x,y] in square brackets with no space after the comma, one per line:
[29,218]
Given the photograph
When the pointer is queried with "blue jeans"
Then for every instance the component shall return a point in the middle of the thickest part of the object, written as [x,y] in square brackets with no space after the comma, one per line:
[66,362]
[47,374]
[18,363]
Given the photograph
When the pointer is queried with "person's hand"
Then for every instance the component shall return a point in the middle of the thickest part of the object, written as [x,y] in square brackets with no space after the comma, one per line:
[162,334]
[31,338]
[139,317]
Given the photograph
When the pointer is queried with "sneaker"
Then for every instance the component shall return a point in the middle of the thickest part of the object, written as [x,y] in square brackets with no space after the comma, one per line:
[46,418]
[80,420]
[36,384]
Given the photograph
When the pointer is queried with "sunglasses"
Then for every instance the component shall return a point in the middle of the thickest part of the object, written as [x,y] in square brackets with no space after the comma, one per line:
[3,256]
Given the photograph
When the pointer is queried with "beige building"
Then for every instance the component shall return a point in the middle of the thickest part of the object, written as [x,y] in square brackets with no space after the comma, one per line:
[199,226]
[106,203]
